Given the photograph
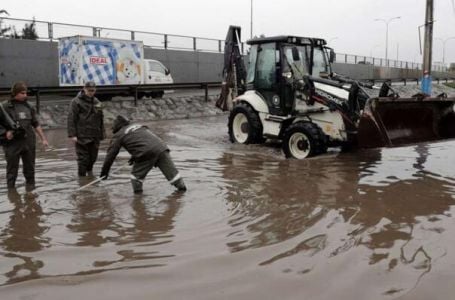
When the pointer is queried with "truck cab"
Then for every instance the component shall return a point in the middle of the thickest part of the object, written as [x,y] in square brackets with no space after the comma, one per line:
[156,73]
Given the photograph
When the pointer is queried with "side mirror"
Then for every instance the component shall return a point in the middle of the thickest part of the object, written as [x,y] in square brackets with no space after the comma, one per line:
[167,71]
[295,54]
[333,56]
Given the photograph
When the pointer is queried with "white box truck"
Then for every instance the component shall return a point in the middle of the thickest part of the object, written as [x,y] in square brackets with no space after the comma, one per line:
[108,62]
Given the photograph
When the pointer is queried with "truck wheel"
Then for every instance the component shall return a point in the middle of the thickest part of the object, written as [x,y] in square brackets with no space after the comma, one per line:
[244,125]
[158,94]
[303,139]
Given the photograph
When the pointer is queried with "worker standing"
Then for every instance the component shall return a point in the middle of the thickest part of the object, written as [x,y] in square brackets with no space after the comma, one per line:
[86,127]
[147,151]
[19,122]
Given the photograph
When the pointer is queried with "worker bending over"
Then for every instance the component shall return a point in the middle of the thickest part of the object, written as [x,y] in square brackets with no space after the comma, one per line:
[147,151]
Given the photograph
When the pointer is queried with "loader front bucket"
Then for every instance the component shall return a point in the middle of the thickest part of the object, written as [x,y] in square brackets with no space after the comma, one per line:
[388,122]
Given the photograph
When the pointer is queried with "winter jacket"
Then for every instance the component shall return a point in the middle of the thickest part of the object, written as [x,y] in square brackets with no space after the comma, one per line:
[139,141]
[85,118]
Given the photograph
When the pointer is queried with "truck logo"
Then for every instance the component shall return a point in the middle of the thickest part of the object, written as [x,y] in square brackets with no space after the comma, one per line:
[98,60]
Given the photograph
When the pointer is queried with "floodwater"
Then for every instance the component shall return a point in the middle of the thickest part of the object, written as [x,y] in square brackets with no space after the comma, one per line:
[375,224]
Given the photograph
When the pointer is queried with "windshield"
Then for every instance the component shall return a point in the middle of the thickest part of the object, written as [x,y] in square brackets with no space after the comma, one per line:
[319,62]
[299,67]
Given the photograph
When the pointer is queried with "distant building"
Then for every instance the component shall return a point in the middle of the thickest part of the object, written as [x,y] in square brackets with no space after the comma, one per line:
[452,67]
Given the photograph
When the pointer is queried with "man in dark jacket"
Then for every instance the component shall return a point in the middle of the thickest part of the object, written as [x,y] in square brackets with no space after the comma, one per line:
[18,123]
[86,127]
[147,151]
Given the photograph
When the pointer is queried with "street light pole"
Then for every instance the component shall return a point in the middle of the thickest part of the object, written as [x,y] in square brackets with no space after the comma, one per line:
[386,22]
[444,41]
[251,20]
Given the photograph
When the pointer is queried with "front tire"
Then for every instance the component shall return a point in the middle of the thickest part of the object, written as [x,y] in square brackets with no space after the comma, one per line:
[157,95]
[303,139]
[244,125]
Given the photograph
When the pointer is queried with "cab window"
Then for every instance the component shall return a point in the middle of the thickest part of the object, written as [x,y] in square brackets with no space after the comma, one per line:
[252,64]
[157,67]
[319,62]
[266,66]
[299,67]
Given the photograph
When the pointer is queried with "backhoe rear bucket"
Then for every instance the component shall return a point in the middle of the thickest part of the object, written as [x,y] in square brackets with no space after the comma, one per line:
[389,122]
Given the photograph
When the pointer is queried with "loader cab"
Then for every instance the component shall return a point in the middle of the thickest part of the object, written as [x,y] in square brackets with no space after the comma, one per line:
[275,63]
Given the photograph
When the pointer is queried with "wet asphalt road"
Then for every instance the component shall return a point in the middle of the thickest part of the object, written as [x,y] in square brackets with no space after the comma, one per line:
[374,224]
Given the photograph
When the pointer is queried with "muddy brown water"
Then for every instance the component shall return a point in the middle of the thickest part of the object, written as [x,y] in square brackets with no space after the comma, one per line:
[374,224]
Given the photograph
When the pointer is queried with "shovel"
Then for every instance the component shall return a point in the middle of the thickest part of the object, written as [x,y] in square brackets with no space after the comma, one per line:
[100,178]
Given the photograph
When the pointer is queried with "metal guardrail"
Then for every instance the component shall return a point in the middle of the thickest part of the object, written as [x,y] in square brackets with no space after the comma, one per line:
[405,81]
[53,30]
[38,91]
[342,58]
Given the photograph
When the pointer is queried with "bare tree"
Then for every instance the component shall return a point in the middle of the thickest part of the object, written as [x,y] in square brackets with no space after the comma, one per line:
[29,31]
[3,31]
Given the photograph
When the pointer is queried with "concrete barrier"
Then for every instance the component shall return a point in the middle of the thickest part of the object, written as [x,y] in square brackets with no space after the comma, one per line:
[36,63]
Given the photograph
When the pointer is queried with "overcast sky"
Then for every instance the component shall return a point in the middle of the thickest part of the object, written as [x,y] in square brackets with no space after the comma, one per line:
[348,24]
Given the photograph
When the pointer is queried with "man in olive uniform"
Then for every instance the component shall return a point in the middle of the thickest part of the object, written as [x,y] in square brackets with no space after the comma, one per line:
[86,127]
[147,151]
[18,121]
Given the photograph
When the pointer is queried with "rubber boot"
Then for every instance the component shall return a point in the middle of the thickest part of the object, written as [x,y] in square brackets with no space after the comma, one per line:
[137,186]
[180,185]
[82,172]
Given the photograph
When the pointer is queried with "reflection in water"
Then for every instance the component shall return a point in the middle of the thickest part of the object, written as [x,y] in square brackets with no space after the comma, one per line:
[331,206]
[93,217]
[133,234]
[24,233]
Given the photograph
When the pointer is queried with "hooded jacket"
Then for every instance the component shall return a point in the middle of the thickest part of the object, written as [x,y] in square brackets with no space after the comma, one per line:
[85,118]
[139,141]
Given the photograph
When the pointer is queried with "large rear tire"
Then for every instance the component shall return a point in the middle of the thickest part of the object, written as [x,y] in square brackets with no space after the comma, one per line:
[303,139]
[244,125]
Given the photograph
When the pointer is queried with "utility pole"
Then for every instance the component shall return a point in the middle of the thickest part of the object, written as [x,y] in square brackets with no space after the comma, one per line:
[428,42]
[427,49]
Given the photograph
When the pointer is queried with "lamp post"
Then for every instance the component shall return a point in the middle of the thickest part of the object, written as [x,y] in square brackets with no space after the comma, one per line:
[386,22]
[444,41]
[251,20]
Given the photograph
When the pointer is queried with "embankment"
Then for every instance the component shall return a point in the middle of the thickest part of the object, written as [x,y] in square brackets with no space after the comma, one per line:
[54,115]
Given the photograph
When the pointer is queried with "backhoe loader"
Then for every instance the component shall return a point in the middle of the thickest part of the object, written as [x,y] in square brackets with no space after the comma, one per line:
[288,92]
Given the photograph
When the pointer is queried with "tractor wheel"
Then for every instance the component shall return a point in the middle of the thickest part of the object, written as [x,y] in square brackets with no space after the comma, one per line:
[244,125]
[303,139]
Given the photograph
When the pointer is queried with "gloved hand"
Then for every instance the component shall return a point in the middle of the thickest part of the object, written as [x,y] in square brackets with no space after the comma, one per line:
[131,161]
[104,176]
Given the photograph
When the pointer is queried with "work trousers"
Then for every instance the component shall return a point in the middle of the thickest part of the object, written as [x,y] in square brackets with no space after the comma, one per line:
[14,152]
[87,153]
[164,163]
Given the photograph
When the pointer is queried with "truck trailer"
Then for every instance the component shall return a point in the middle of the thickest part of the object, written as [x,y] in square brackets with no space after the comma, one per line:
[109,62]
